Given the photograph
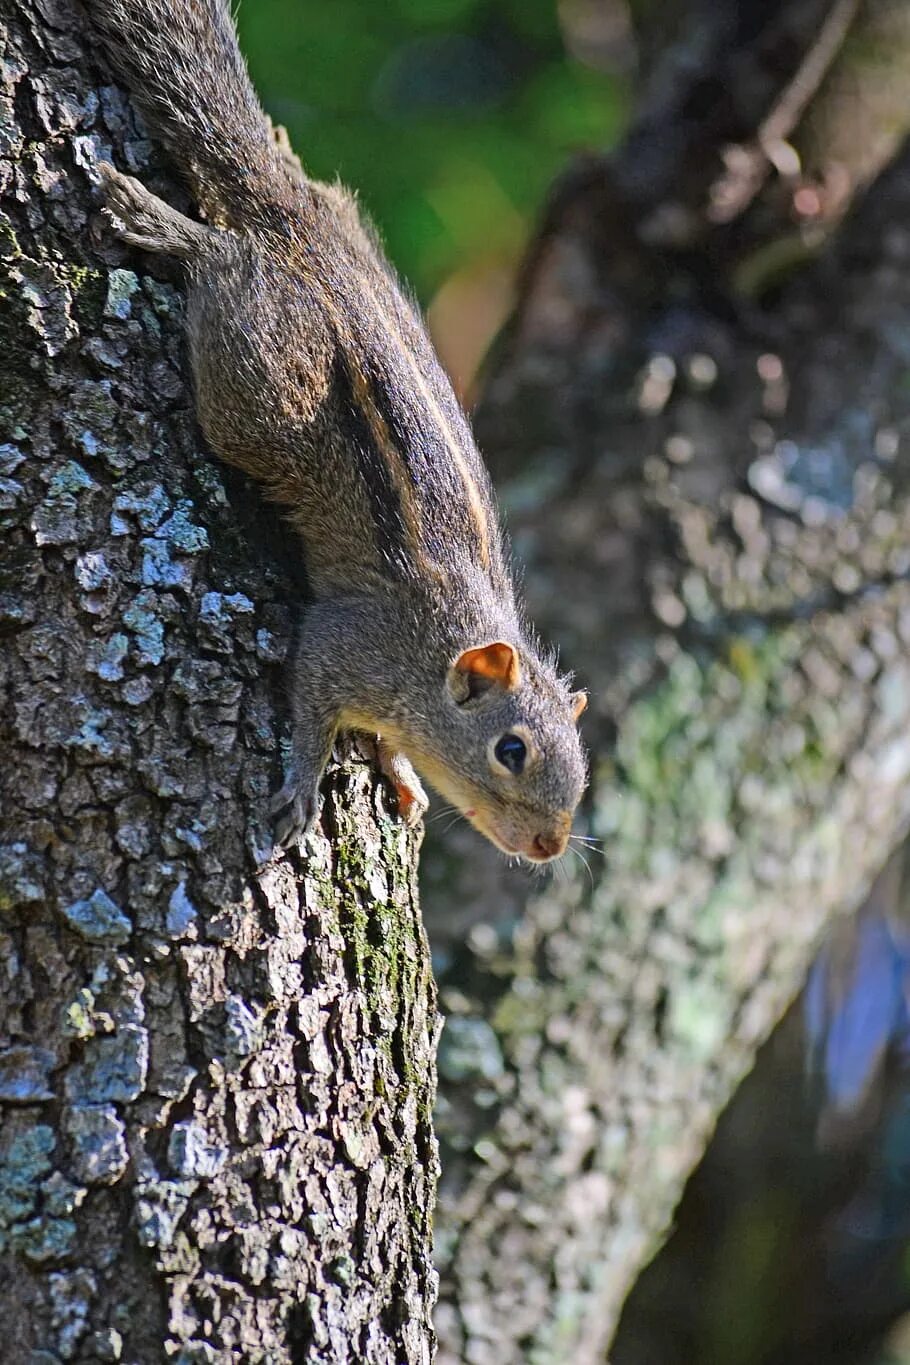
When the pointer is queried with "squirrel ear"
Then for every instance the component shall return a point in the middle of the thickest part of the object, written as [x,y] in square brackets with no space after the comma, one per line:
[477,670]
[579,702]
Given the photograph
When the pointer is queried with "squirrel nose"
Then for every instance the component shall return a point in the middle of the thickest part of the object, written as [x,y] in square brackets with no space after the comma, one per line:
[549,845]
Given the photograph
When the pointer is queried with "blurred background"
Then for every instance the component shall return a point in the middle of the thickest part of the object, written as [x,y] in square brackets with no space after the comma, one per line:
[792,1242]
[451,118]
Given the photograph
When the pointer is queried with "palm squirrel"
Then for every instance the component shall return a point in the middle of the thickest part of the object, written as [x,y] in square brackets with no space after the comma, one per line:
[314,373]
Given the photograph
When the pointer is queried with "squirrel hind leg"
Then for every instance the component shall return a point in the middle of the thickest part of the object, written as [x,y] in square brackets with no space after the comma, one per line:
[143,220]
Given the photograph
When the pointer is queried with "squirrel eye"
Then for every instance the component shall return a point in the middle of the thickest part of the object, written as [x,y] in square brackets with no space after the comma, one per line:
[511,752]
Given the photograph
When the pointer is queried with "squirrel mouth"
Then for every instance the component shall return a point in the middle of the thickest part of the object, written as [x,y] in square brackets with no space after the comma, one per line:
[539,849]
[490,832]
[512,850]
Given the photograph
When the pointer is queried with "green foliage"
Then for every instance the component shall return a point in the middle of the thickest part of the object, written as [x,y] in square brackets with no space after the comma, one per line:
[449,117]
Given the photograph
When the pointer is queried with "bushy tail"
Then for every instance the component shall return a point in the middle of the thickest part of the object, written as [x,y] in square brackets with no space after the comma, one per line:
[182,64]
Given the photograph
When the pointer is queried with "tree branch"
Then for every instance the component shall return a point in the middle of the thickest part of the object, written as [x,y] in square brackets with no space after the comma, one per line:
[714,508]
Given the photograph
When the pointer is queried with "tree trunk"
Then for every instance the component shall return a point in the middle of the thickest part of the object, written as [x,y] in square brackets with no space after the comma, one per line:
[216,1066]
[705,421]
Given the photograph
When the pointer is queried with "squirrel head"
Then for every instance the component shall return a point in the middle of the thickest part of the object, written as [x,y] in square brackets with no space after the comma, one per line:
[517,769]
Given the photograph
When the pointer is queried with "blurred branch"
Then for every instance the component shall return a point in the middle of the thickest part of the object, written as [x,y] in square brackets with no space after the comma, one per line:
[817,91]
[714,507]
[747,171]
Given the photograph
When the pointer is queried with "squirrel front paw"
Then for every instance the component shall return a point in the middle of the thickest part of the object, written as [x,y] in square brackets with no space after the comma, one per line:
[294,809]
[412,799]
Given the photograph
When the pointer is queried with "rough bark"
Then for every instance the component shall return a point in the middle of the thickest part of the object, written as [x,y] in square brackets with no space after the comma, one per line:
[216,1067]
[724,553]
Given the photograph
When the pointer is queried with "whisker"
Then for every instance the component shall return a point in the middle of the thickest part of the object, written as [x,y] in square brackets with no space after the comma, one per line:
[584,863]
[589,848]
[438,815]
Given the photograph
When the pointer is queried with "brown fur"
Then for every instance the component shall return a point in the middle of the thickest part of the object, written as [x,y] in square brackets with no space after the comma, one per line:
[314,373]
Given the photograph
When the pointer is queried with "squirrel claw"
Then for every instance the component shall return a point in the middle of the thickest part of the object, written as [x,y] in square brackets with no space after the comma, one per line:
[294,814]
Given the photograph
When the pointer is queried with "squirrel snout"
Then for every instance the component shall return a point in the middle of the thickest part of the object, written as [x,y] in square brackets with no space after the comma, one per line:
[546,846]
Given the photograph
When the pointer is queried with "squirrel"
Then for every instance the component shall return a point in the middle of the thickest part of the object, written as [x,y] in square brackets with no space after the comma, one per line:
[313,373]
